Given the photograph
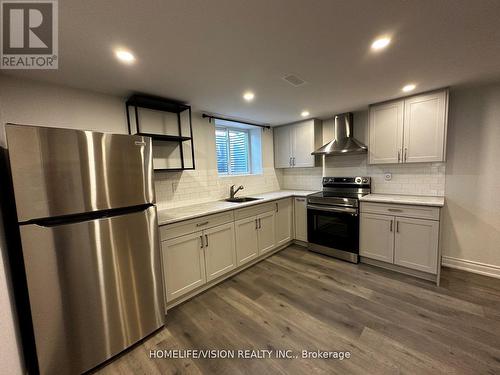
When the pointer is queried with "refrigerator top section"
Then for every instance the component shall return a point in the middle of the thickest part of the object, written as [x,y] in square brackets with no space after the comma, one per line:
[57,172]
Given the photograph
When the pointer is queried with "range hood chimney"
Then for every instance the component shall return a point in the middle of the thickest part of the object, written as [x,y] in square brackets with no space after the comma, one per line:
[343,141]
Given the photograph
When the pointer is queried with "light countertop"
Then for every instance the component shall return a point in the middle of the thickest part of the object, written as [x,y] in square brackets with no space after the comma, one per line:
[404,199]
[172,215]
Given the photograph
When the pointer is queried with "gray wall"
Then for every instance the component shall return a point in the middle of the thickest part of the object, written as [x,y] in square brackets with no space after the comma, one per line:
[29,102]
[471,226]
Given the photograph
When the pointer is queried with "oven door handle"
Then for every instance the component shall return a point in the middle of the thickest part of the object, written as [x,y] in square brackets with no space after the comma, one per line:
[346,210]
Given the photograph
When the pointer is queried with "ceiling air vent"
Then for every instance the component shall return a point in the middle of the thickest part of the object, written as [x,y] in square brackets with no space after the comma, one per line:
[294,80]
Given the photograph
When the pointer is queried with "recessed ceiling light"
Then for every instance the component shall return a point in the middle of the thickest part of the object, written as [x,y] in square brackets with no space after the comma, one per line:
[304,113]
[381,43]
[125,56]
[409,87]
[248,96]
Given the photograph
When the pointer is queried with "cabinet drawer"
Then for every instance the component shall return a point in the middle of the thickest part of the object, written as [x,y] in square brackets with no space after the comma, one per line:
[419,212]
[190,226]
[243,213]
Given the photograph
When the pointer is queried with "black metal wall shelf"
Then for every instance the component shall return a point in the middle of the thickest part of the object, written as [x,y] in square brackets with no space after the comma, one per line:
[183,113]
[168,138]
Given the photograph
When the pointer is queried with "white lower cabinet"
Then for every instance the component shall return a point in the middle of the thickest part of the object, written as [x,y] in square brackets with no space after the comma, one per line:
[284,221]
[183,264]
[198,251]
[408,242]
[247,245]
[416,244]
[376,240]
[266,233]
[192,260]
[300,213]
[220,250]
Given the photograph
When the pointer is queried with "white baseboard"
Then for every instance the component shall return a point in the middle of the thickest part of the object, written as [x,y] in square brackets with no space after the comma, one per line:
[471,266]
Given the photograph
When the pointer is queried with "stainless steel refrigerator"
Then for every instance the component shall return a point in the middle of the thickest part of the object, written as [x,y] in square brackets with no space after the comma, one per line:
[89,238]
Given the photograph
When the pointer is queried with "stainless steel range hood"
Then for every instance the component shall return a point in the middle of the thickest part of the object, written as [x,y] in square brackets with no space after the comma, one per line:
[343,141]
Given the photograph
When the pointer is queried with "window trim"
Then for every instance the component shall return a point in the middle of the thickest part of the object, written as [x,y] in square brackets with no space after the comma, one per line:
[249,151]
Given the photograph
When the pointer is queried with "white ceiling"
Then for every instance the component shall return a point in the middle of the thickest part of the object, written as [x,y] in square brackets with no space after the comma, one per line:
[207,52]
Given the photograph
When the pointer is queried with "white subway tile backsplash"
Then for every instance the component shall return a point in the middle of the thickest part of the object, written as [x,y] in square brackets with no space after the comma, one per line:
[412,179]
[191,187]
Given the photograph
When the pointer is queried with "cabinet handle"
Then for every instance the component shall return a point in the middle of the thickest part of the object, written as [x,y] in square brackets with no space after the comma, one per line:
[290,162]
[260,225]
[406,154]
[256,224]
[390,229]
[293,161]
[397,226]
[394,210]
[202,224]
[399,155]
[201,242]
[277,208]
[206,239]
[300,199]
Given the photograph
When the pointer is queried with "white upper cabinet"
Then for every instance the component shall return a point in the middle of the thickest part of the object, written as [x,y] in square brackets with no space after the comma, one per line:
[411,130]
[303,144]
[293,144]
[386,133]
[282,147]
[425,128]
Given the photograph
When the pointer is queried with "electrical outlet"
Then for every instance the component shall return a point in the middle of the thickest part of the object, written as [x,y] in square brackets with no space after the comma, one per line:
[388,176]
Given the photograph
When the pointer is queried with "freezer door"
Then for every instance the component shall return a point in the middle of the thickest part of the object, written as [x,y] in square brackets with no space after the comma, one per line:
[59,172]
[95,288]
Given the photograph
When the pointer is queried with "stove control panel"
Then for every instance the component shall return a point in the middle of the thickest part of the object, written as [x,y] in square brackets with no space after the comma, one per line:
[358,180]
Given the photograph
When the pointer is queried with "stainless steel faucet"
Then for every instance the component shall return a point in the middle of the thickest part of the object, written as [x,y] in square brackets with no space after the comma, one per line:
[233,192]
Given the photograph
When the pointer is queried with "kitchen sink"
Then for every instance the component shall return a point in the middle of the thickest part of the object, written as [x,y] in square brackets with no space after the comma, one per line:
[241,199]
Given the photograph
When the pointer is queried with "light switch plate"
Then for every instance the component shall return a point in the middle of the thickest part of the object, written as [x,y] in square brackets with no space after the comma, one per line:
[388,176]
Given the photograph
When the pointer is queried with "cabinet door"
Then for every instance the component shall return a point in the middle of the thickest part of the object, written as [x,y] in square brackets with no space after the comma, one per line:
[303,144]
[377,237]
[416,244]
[386,133]
[183,264]
[267,232]
[425,127]
[247,247]
[220,251]
[282,147]
[300,211]
[284,221]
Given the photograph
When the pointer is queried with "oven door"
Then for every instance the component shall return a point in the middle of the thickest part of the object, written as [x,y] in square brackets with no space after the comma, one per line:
[333,227]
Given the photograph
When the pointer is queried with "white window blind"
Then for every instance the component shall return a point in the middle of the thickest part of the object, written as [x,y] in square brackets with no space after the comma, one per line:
[233,151]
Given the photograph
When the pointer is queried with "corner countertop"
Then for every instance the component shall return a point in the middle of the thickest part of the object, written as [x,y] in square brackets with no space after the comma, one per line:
[404,199]
[173,215]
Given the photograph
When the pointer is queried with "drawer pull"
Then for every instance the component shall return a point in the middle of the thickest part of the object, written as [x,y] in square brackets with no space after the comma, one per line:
[395,210]
[202,224]
[300,199]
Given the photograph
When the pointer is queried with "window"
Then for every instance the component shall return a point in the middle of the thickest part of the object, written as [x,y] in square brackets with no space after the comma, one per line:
[233,150]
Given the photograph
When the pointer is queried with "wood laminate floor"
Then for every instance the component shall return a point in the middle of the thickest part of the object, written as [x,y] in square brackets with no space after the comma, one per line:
[296,300]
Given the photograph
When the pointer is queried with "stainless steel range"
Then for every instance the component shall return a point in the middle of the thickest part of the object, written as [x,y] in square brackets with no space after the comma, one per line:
[333,217]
